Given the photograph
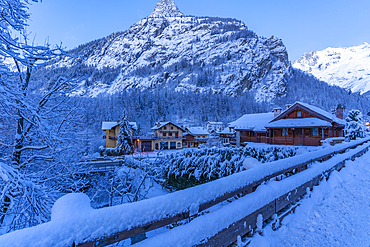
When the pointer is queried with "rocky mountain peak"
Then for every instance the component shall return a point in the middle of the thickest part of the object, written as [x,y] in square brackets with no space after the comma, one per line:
[166,8]
[346,67]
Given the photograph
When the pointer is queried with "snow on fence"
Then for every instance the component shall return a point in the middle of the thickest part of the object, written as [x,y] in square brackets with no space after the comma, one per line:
[75,223]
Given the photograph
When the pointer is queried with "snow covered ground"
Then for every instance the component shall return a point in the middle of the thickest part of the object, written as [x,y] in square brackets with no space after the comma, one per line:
[335,214]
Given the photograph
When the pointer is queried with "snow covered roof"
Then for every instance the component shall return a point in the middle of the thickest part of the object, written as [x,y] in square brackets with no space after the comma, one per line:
[227,131]
[323,112]
[111,125]
[197,131]
[318,110]
[255,122]
[299,122]
[162,124]
[216,123]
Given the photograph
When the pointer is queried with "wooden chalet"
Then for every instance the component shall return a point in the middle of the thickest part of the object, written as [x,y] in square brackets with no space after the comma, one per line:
[195,136]
[304,124]
[300,124]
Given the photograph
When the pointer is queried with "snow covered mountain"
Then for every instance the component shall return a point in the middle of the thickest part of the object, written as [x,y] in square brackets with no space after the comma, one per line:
[344,67]
[200,54]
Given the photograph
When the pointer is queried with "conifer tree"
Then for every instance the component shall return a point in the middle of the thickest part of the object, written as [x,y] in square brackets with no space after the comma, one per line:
[355,127]
[124,139]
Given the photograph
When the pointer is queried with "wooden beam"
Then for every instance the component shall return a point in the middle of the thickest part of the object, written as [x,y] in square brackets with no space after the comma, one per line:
[302,136]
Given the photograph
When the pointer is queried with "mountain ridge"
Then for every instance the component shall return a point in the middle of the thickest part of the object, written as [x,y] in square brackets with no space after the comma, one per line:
[199,54]
[346,67]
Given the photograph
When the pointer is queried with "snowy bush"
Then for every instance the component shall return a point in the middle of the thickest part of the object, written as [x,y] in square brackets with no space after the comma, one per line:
[103,151]
[23,201]
[191,167]
[355,127]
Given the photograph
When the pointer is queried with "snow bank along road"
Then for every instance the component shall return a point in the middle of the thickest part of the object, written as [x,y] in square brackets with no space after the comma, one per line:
[336,213]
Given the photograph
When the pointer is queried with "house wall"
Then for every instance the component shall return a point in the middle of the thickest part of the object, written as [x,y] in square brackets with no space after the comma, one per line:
[167,134]
[251,136]
[295,137]
[294,114]
[111,139]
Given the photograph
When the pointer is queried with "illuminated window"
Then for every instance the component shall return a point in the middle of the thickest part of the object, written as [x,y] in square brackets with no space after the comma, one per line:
[284,132]
[315,131]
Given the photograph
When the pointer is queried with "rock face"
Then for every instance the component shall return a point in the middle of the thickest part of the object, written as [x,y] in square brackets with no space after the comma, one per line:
[166,8]
[200,54]
[344,67]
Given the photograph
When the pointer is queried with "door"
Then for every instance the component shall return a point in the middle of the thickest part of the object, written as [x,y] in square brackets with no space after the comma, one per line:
[146,146]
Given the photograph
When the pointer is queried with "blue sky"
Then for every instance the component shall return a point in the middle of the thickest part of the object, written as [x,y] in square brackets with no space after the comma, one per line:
[303,26]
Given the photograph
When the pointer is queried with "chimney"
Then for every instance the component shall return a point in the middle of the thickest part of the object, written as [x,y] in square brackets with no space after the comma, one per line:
[339,111]
[277,111]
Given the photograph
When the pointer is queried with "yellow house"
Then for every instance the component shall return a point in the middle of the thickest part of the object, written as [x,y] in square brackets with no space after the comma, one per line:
[167,136]
[112,130]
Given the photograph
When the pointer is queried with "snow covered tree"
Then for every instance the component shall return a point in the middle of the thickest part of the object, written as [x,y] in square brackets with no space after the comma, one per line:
[355,127]
[39,121]
[124,139]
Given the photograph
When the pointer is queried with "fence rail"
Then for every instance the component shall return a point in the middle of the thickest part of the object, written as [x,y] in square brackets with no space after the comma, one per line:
[248,188]
[194,200]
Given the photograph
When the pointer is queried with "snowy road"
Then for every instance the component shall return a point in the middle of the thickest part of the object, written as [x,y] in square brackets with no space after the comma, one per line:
[337,213]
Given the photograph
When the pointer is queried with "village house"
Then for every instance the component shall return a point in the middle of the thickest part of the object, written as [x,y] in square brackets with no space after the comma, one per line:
[112,130]
[300,124]
[195,136]
[213,127]
[304,124]
[227,136]
[167,136]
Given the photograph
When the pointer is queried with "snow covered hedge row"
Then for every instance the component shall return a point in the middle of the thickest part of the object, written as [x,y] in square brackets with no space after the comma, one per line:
[191,167]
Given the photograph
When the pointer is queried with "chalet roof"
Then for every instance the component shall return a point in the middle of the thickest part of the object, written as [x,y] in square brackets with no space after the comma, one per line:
[188,134]
[299,122]
[318,110]
[111,125]
[197,130]
[255,122]
[162,124]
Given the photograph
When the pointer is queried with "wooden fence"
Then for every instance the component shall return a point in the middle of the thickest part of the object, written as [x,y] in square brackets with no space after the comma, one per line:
[230,233]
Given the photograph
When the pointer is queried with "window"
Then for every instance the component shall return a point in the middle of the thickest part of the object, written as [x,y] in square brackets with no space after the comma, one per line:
[315,131]
[284,132]
[164,134]
[299,114]
[170,134]
[165,127]
[178,144]
[171,128]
